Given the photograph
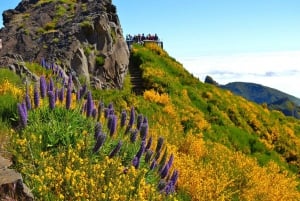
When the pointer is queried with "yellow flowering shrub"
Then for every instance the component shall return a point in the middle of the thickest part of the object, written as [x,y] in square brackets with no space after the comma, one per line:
[7,87]
[154,96]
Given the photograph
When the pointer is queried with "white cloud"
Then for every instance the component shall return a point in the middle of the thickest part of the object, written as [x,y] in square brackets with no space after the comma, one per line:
[279,70]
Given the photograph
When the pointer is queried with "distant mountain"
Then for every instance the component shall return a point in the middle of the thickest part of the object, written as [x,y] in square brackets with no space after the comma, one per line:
[275,99]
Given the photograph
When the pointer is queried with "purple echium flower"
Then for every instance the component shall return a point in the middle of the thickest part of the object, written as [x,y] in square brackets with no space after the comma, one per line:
[133,135]
[22,115]
[109,120]
[149,143]
[68,98]
[144,131]
[43,86]
[171,159]
[153,164]
[161,185]
[170,187]
[106,113]
[165,170]
[89,104]
[70,81]
[98,130]
[159,145]
[139,121]
[36,97]
[141,150]
[116,149]
[61,94]
[100,141]
[24,108]
[51,97]
[148,155]
[123,118]
[94,113]
[132,116]
[28,101]
[110,106]
[136,162]
[174,177]
[100,110]
[51,85]
[113,125]
[83,90]
[163,159]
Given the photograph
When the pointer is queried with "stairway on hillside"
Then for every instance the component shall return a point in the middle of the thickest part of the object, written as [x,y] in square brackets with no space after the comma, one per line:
[136,79]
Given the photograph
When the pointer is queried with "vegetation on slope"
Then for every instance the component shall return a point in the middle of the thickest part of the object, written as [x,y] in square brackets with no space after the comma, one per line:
[224,147]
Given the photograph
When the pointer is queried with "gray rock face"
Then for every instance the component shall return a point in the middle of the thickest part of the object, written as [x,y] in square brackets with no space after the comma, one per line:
[11,184]
[83,37]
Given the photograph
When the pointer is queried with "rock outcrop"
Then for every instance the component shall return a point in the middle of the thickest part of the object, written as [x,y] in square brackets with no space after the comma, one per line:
[11,183]
[84,37]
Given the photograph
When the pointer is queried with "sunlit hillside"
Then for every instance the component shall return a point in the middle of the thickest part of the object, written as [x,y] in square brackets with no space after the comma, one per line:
[179,140]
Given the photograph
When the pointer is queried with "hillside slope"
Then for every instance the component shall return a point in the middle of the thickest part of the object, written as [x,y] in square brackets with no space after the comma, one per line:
[274,98]
[224,147]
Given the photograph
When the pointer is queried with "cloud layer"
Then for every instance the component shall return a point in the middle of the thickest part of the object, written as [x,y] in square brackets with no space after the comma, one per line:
[279,70]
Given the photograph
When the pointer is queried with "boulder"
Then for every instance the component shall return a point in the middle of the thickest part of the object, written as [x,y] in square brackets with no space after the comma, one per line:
[74,35]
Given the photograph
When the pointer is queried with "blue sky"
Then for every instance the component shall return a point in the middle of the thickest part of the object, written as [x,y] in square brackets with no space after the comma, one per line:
[230,40]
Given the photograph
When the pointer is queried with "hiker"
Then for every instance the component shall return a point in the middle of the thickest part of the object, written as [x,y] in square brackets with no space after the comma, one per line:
[0,43]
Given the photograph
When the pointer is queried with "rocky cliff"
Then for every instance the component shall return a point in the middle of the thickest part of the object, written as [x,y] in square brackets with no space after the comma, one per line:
[83,37]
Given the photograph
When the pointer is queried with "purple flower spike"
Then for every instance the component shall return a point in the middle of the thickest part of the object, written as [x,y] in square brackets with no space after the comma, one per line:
[164,172]
[132,116]
[113,125]
[174,177]
[28,101]
[153,165]
[110,106]
[148,156]
[100,110]
[159,145]
[99,143]
[98,130]
[141,150]
[139,121]
[170,187]
[83,90]
[43,86]
[116,149]
[70,81]
[171,159]
[36,97]
[123,118]
[144,131]
[94,113]
[22,115]
[89,104]
[51,97]
[68,98]
[51,85]
[61,94]
[149,143]
[136,162]
[24,108]
[133,135]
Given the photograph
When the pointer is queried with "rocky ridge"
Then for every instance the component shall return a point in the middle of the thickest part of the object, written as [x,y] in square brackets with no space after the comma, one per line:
[83,37]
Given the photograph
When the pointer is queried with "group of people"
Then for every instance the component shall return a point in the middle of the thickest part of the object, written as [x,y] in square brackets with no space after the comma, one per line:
[141,37]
